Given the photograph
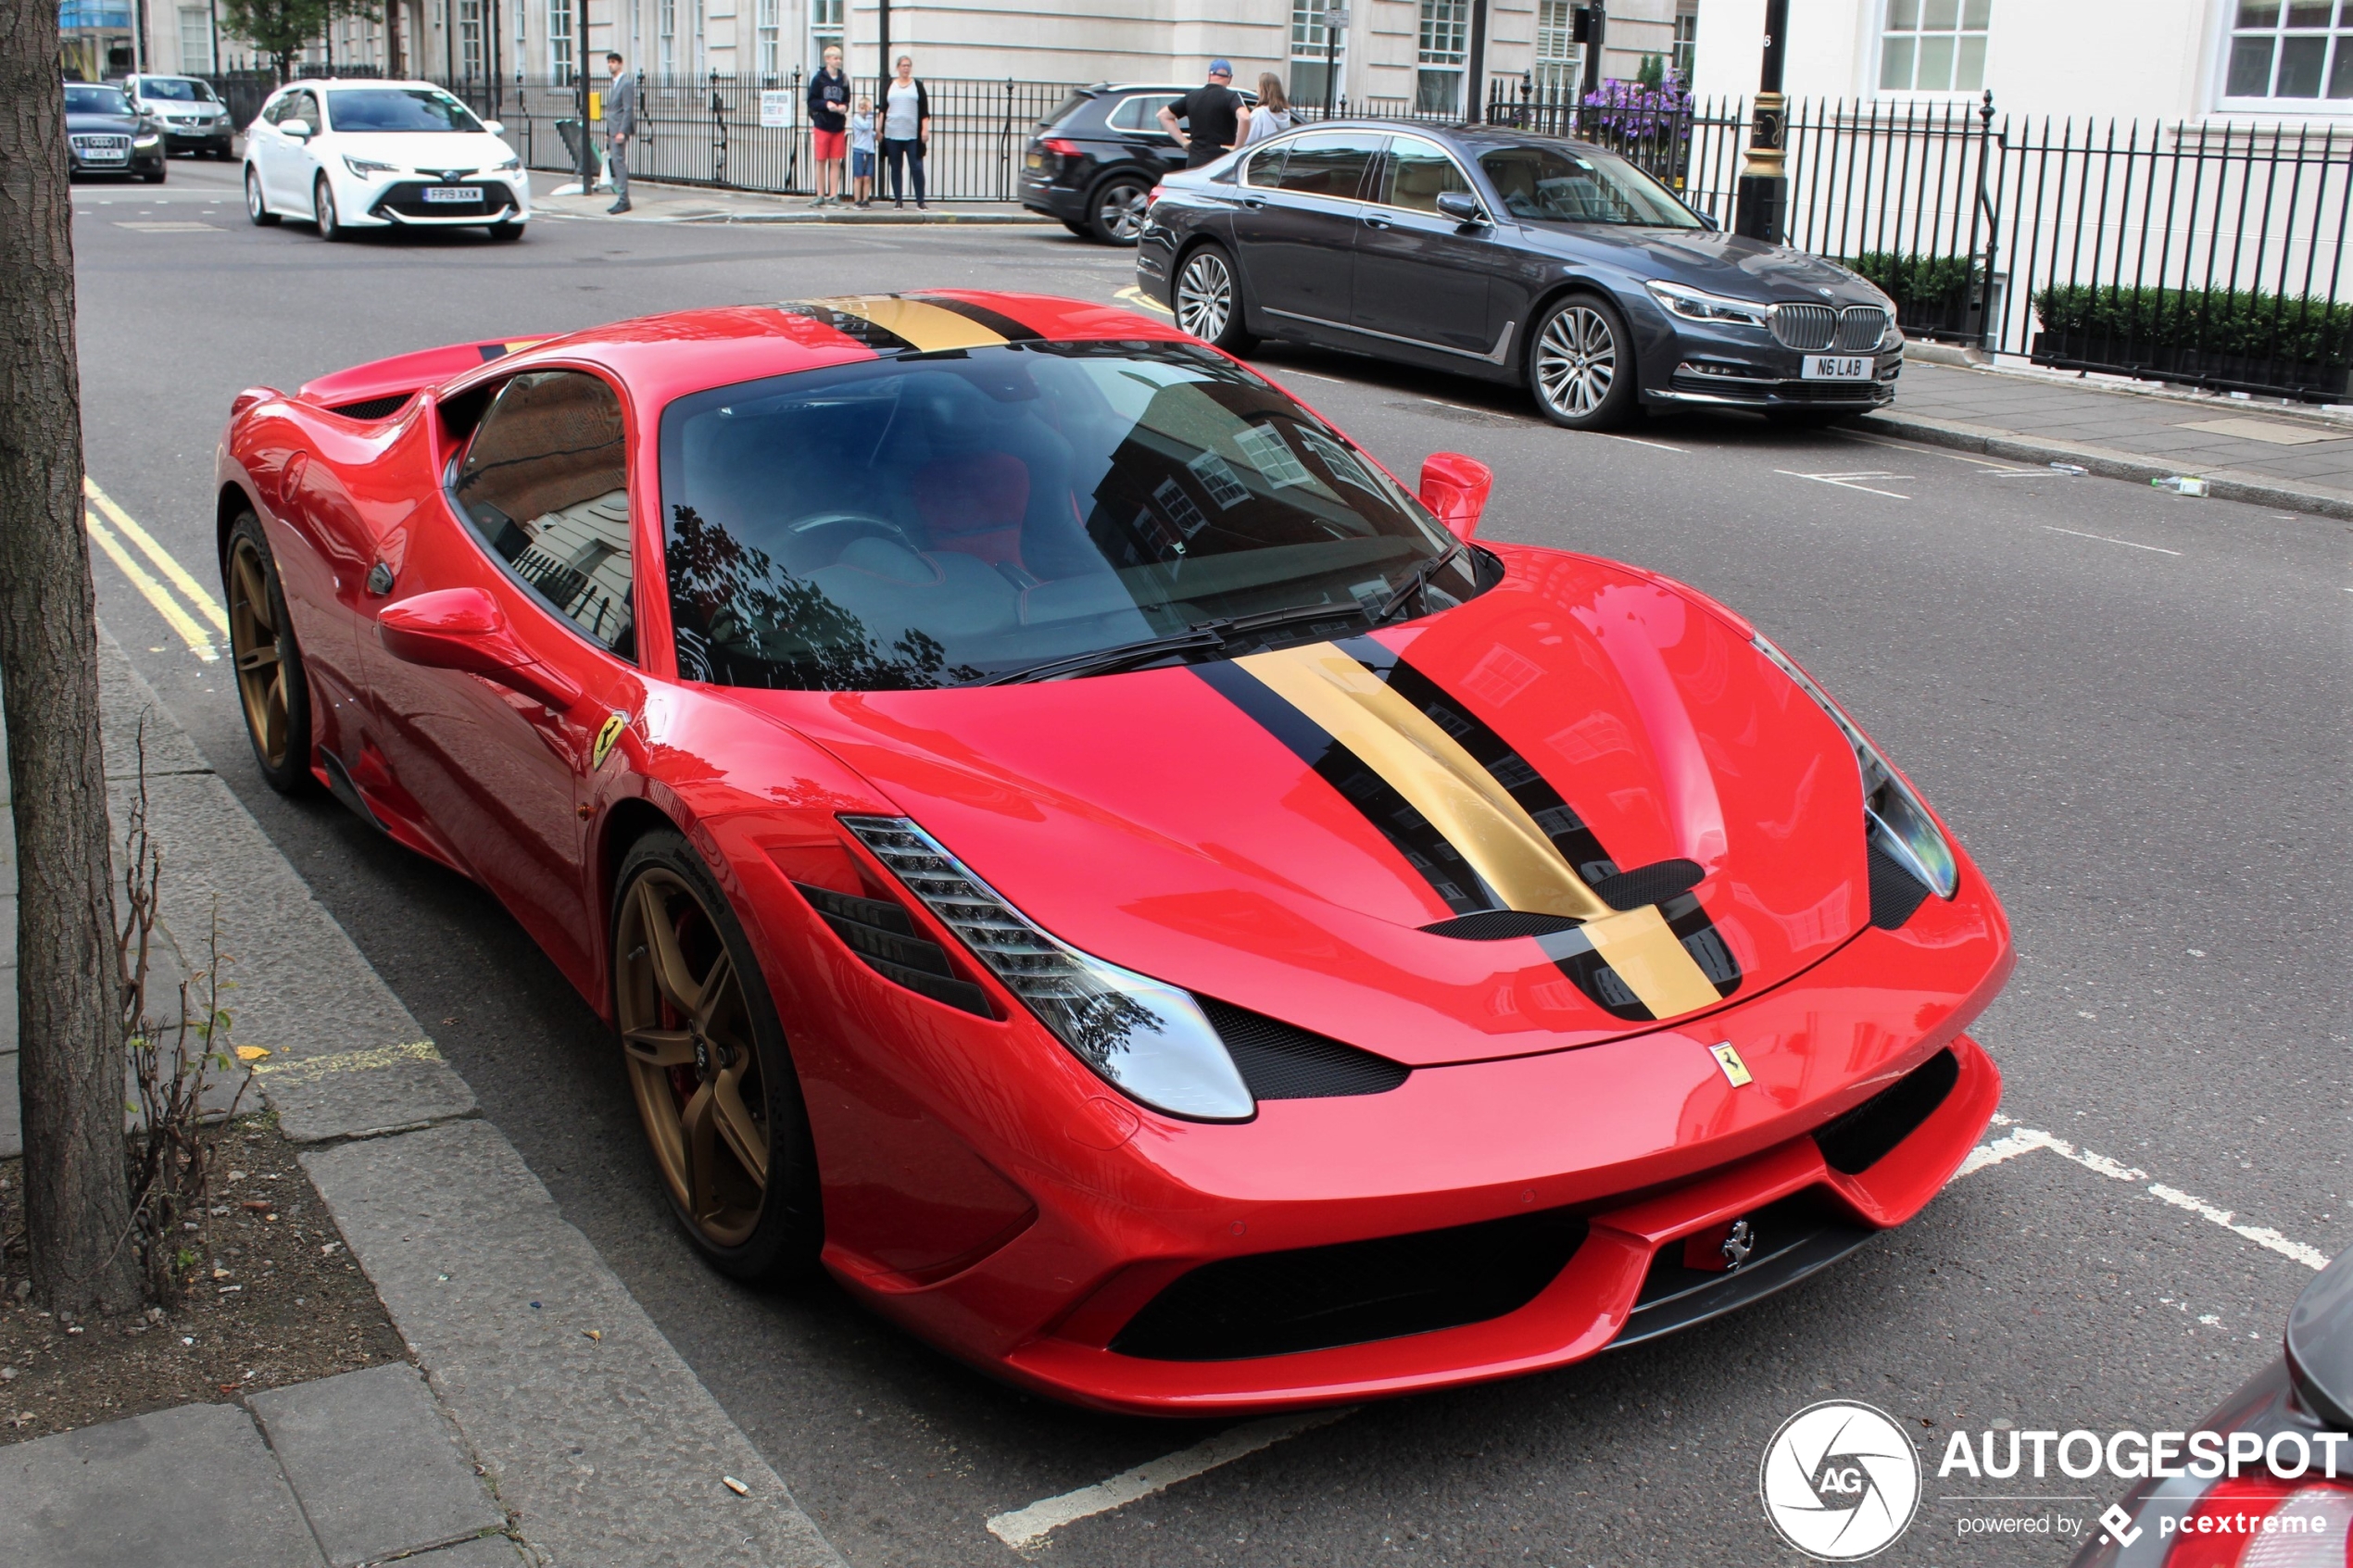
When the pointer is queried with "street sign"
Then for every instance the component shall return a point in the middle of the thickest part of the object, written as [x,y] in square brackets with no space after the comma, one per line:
[775,109]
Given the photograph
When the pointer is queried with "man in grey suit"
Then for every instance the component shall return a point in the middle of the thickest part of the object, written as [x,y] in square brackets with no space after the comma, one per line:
[620,123]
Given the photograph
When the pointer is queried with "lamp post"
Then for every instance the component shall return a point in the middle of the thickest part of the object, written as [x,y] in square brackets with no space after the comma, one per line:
[1762,210]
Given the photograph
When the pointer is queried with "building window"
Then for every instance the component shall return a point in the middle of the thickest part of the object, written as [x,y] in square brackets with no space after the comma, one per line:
[666,40]
[195,41]
[1933,46]
[1560,63]
[771,42]
[559,41]
[2290,50]
[825,33]
[469,38]
[1686,43]
[1308,65]
[1445,43]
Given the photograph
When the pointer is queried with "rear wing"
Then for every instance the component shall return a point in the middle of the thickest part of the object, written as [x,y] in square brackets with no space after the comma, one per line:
[382,387]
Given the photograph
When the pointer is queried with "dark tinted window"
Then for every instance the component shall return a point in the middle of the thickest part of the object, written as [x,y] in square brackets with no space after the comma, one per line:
[924,521]
[1415,174]
[1331,164]
[1068,107]
[1579,186]
[95,100]
[1266,166]
[545,482]
[1141,112]
[176,89]
[398,108]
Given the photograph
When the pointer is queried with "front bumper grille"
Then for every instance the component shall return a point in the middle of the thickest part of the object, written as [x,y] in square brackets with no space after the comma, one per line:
[1821,329]
[1316,1297]
[407,199]
[1866,1135]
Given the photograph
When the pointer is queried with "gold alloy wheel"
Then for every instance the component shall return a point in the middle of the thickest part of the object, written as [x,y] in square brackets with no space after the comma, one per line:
[253,642]
[686,1034]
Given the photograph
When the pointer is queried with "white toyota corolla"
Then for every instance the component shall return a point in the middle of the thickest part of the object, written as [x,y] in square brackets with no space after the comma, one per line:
[359,154]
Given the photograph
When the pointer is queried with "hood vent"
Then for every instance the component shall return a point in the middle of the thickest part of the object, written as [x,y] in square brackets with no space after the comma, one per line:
[1278,1060]
[371,407]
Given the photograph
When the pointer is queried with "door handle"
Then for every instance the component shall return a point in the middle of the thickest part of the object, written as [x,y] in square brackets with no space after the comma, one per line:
[1255,204]
[1371,223]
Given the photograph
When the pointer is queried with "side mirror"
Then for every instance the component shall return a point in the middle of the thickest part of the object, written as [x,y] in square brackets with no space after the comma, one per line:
[1461,207]
[297,129]
[1455,488]
[496,128]
[463,629]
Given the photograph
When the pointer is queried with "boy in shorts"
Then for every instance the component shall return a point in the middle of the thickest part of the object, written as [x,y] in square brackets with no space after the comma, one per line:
[828,99]
[861,152]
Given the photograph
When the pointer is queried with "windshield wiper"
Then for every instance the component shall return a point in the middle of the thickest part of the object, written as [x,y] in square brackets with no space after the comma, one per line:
[1417,582]
[1202,636]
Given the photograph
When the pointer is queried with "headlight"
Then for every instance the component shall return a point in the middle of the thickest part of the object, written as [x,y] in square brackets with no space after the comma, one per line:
[1894,818]
[146,139]
[1692,305]
[363,170]
[1147,1038]
[509,167]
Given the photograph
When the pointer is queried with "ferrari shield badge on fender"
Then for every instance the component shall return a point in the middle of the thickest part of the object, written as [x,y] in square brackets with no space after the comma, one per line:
[605,737]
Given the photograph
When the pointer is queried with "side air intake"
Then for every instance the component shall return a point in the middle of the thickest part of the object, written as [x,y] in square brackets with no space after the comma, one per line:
[885,938]
[373,408]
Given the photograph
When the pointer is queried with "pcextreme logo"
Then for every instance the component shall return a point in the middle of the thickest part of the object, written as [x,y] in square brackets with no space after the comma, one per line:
[1840,1481]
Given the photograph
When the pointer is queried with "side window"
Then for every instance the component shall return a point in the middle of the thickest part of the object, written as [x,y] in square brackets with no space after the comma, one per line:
[1265,168]
[275,110]
[1331,164]
[1141,112]
[301,106]
[545,482]
[1415,174]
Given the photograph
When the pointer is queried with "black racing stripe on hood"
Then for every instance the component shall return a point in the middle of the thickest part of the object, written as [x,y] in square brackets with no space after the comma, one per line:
[1578,845]
[881,340]
[996,322]
[1407,830]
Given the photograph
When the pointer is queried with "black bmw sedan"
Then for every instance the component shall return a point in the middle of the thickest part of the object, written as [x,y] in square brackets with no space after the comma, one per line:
[106,134]
[1508,256]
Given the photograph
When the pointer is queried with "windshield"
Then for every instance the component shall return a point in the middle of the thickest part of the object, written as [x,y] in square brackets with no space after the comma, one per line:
[95,100]
[398,108]
[934,519]
[178,89]
[1581,185]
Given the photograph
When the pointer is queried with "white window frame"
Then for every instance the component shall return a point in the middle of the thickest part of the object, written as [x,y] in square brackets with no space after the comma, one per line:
[827,29]
[560,49]
[1439,23]
[1684,57]
[199,62]
[1892,11]
[768,31]
[666,40]
[472,55]
[1559,69]
[2226,33]
[1307,43]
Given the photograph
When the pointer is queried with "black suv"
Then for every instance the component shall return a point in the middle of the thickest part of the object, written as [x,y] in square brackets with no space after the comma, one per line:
[1095,160]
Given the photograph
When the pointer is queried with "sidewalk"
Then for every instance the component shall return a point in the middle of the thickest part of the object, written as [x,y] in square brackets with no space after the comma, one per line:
[2273,455]
[653,203]
[546,1419]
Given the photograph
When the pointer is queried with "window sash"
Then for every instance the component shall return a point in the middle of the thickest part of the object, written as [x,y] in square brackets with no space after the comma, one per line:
[2289,51]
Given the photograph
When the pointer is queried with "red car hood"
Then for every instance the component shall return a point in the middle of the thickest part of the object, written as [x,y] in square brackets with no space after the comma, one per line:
[1159,820]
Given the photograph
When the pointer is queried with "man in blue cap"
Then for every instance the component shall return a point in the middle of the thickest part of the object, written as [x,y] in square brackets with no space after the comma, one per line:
[1207,121]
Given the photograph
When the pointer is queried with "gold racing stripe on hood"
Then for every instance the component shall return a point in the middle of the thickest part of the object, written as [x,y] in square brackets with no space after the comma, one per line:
[1475,814]
[930,328]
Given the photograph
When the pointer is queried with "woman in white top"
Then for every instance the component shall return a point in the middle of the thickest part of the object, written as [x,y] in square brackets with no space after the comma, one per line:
[1272,116]
[906,129]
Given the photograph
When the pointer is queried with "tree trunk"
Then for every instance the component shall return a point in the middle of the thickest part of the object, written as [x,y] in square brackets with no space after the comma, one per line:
[71,1061]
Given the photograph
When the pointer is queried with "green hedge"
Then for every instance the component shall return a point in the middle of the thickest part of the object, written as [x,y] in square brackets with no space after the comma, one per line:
[1915,280]
[2298,329]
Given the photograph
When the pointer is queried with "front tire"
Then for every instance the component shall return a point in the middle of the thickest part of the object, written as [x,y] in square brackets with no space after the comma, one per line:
[322,210]
[1115,210]
[1580,364]
[707,1064]
[257,206]
[160,174]
[272,685]
[1209,300]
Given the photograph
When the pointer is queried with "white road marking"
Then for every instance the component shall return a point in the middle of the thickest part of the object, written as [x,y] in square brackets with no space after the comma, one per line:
[1131,294]
[2018,1140]
[1637,441]
[1984,465]
[1846,481]
[2103,539]
[1337,382]
[1025,1528]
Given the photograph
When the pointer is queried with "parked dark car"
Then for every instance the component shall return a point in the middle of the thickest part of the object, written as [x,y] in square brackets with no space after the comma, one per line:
[1095,160]
[190,114]
[106,135]
[1513,258]
[2255,1515]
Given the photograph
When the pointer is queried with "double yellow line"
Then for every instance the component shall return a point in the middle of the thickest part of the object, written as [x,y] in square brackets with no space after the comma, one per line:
[175,615]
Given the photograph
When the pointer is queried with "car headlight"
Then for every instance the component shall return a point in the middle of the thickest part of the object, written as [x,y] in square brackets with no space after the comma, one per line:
[362,169]
[1695,304]
[511,166]
[146,139]
[1147,1038]
[1894,818]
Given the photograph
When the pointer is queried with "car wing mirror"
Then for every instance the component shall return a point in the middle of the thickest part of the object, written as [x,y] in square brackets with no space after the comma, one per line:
[496,127]
[463,629]
[1461,207]
[1455,488]
[297,129]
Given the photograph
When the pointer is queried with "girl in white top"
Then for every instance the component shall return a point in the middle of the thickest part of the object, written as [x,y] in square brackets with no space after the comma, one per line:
[1272,116]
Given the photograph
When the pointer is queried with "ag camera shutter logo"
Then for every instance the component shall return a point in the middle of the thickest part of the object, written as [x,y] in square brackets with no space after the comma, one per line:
[1840,1481]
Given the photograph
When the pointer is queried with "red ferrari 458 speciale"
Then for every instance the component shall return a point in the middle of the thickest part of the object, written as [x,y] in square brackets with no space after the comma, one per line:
[1073,846]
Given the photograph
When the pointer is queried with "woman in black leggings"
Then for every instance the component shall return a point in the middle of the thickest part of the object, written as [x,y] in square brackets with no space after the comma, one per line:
[906,130]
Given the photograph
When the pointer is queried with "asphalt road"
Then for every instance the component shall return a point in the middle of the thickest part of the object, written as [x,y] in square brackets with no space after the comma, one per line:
[2132,706]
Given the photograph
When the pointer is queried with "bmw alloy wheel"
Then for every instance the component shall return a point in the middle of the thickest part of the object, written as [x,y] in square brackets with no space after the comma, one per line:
[1205,296]
[1575,362]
